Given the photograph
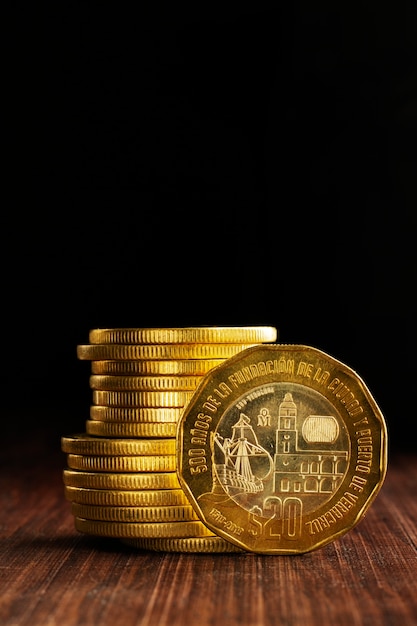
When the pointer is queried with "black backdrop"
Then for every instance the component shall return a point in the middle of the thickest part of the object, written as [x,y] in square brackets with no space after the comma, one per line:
[210,166]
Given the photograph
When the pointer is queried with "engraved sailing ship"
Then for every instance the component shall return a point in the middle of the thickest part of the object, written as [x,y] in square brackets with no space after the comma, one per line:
[244,464]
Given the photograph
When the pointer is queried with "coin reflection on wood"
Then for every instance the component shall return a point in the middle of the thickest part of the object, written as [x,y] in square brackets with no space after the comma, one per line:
[282,449]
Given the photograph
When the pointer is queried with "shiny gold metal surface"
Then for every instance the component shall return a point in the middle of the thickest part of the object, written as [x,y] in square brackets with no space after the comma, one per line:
[121,476]
[198,334]
[100,463]
[129,352]
[142,398]
[83,443]
[120,497]
[135,414]
[144,383]
[140,514]
[142,529]
[143,367]
[185,544]
[91,479]
[129,429]
[282,449]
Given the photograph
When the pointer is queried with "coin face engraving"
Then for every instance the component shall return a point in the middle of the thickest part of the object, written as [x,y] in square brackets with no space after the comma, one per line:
[282,449]
[288,440]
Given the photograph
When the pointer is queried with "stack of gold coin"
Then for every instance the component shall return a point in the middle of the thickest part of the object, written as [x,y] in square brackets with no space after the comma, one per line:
[121,477]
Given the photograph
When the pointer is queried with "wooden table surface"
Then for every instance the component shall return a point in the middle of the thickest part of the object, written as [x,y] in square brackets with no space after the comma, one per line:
[50,574]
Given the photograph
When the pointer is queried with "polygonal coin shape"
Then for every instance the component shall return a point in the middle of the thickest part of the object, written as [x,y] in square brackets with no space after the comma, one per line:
[281,449]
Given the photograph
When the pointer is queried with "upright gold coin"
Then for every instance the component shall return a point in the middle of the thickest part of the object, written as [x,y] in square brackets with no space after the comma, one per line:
[99,463]
[140,514]
[179,367]
[144,383]
[129,352]
[101,528]
[135,414]
[83,443]
[142,398]
[198,334]
[91,479]
[209,545]
[282,449]
[119,497]
[128,429]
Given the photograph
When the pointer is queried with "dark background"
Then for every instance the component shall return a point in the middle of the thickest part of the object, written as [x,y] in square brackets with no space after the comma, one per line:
[209,166]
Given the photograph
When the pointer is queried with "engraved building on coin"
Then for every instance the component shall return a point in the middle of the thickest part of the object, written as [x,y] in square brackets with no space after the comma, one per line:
[282,449]
[303,457]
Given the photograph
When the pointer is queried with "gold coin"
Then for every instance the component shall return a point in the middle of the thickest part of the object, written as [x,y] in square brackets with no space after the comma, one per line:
[179,367]
[142,398]
[127,429]
[129,352]
[119,497]
[182,544]
[144,383]
[120,481]
[83,443]
[149,463]
[198,334]
[142,529]
[136,414]
[282,449]
[140,514]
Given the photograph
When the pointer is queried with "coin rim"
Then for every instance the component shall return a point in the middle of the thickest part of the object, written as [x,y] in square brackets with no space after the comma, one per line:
[186,334]
[157,352]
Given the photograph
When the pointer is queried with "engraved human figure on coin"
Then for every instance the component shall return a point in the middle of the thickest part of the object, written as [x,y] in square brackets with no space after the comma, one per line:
[280,440]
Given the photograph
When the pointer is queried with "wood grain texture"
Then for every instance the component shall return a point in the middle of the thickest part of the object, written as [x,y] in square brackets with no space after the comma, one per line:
[52,575]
